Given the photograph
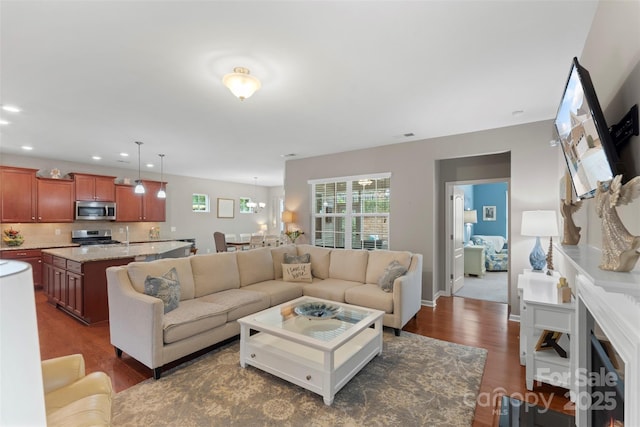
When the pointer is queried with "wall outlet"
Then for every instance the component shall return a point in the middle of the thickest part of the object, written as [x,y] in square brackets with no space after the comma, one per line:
[57,231]
[173,229]
[208,250]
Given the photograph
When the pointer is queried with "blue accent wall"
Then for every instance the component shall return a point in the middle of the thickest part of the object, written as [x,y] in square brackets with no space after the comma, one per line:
[490,195]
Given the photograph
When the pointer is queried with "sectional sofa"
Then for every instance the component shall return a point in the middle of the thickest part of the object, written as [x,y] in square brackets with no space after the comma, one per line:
[218,289]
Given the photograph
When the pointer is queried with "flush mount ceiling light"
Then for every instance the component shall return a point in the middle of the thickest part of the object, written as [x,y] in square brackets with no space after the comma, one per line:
[161,193]
[139,187]
[241,83]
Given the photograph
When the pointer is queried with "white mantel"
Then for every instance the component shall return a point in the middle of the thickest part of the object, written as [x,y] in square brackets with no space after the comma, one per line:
[613,300]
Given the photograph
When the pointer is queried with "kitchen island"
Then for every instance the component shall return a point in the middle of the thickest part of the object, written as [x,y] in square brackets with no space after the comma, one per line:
[74,278]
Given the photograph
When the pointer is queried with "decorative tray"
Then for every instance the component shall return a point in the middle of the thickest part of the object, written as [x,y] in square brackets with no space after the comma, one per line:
[317,310]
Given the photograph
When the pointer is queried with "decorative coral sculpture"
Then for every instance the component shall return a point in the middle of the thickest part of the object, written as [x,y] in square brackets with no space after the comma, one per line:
[619,247]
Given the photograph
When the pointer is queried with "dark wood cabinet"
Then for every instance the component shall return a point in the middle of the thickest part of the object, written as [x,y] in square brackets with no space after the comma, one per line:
[31,256]
[18,194]
[132,207]
[55,200]
[79,289]
[94,187]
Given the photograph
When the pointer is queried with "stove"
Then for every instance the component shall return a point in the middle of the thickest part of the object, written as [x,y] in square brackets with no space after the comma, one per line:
[92,237]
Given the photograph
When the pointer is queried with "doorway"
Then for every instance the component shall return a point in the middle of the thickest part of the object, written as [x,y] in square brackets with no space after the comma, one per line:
[485,239]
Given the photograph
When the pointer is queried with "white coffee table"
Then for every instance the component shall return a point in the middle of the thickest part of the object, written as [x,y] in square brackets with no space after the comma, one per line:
[319,355]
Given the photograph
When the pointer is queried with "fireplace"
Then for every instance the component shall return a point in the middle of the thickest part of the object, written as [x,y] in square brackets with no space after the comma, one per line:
[606,385]
[609,304]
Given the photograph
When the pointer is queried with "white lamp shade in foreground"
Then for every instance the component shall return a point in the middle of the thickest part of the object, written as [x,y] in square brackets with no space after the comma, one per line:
[539,224]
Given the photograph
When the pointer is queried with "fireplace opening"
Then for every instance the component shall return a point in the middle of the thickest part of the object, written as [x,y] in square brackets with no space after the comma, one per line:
[606,385]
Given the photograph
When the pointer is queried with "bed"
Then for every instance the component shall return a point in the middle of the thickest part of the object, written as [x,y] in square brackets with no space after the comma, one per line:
[496,252]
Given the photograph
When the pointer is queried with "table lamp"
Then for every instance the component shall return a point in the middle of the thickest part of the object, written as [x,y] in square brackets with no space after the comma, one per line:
[537,224]
[470,217]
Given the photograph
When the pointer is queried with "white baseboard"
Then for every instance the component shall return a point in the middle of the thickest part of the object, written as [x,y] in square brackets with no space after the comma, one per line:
[428,303]
[514,318]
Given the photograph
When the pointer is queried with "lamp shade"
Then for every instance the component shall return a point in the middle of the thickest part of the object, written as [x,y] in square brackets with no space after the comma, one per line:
[241,83]
[287,217]
[470,217]
[539,223]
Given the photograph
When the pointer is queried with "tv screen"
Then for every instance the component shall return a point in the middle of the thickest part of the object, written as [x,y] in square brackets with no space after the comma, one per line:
[584,136]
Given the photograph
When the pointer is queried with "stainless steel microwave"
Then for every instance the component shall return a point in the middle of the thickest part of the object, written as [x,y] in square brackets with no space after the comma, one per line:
[95,211]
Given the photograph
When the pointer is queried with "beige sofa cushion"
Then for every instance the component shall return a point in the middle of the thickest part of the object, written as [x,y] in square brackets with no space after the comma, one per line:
[320,258]
[348,264]
[278,290]
[239,302]
[192,317]
[138,272]
[255,265]
[370,296]
[332,289]
[379,260]
[278,258]
[215,273]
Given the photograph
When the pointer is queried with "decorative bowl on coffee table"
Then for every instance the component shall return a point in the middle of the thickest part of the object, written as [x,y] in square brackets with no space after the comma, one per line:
[317,310]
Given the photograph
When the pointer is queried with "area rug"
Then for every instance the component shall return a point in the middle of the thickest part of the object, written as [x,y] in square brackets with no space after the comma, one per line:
[416,381]
[491,287]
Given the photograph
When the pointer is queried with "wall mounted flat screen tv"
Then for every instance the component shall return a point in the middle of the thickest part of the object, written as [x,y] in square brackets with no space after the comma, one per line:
[586,142]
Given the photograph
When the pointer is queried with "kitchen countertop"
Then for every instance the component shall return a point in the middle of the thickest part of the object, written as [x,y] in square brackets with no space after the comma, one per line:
[103,252]
[28,245]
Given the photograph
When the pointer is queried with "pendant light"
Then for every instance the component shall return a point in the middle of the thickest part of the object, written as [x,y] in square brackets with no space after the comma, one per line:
[255,207]
[139,187]
[161,193]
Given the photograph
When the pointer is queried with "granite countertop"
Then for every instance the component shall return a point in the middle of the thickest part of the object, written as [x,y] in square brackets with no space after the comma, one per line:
[29,245]
[103,252]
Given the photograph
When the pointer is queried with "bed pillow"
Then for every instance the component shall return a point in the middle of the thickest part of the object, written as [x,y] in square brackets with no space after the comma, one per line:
[167,288]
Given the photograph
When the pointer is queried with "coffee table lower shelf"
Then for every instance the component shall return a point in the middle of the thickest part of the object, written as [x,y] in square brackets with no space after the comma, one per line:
[324,372]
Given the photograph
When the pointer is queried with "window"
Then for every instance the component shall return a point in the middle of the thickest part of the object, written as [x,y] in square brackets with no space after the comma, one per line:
[351,212]
[243,205]
[200,203]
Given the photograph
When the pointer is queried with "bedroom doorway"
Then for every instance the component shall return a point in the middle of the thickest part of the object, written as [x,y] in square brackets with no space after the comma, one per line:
[485,240]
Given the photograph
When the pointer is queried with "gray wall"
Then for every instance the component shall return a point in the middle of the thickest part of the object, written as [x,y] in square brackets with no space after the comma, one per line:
[417,187]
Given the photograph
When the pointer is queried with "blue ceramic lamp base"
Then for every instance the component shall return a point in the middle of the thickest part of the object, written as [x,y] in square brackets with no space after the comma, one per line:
[537,258]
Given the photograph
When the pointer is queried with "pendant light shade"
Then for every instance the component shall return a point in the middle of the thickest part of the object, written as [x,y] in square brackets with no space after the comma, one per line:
[161,193]
[241,83]
[139,187]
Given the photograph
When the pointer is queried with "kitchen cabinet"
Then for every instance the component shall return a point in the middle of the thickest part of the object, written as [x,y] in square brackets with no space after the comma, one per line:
[132,207]
[18,194]
[55,200]
[94,187]
[31,256]
[79,288]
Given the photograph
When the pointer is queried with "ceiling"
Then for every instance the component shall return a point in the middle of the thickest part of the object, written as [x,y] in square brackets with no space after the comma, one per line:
[92,77]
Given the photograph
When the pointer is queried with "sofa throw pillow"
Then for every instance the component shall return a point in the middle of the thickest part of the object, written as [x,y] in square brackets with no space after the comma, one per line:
[297,259]
[391,273]
[167,288]
[297,272]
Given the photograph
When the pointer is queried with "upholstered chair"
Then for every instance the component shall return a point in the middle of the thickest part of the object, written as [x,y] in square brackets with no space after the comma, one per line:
[73,398]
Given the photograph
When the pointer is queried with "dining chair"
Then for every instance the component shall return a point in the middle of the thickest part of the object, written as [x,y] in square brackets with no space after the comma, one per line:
[230,237]
[271,240]
[245,237]
[256,241]
[219,240]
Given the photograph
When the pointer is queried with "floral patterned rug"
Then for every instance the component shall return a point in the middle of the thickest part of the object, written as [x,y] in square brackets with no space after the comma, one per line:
[416,381]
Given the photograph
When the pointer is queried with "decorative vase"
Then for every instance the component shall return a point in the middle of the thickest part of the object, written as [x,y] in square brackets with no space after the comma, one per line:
[537,258]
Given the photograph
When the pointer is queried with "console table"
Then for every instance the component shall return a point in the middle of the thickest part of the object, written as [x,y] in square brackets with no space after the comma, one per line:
[541,310]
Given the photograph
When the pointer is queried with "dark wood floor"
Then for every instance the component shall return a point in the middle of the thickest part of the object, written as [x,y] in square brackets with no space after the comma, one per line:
[463,321]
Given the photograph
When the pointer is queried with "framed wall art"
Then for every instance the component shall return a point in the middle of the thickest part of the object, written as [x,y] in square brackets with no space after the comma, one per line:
[488,213]
[225,208]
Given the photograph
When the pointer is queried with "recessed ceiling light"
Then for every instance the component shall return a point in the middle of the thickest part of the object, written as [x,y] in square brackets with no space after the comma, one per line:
[124,154]
[11,108]
[517,112]
[288,155]
[149,165]
[96,157]
[27,147]
[4,122]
